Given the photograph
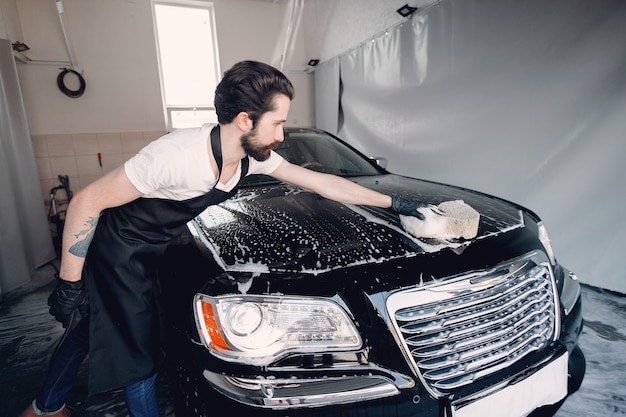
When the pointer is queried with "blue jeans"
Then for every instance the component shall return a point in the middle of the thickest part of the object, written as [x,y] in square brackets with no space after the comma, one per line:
[141,398]
[66,360]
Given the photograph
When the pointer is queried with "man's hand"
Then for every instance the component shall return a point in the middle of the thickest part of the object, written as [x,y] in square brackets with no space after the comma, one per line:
[410,207]
[66,297]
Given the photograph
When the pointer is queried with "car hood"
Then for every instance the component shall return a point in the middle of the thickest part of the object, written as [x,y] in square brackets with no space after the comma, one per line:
[280,228]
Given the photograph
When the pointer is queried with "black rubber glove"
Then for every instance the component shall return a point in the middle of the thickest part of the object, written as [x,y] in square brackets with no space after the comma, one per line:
[67,297]
[408,207]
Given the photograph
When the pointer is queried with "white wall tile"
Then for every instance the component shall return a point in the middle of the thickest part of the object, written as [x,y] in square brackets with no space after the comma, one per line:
[86,144]
[132,142]
[60,145]
[150,136]
[88,166]
[63,165]
[76,155]
[40,145]
[109,143]
[43,167]
[111,162]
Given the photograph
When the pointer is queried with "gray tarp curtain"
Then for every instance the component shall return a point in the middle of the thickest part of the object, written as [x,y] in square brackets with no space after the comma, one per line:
[327,104]
[25,241]
[522,99]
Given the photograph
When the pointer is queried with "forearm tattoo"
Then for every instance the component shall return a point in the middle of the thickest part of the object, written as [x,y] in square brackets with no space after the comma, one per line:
[84,238]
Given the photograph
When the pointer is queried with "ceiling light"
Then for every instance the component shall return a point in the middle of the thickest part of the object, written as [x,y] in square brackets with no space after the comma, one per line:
[406,10]
[20,47]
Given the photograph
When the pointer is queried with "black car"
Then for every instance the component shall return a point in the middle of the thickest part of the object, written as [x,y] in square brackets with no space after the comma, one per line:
[280,302]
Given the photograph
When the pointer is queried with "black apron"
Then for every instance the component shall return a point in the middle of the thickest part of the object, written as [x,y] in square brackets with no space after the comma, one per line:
[120,271]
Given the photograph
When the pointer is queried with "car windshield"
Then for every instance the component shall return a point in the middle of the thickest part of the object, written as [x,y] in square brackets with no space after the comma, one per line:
[319,151]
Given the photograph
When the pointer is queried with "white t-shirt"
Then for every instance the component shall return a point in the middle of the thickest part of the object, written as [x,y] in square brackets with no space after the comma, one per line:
[177,166]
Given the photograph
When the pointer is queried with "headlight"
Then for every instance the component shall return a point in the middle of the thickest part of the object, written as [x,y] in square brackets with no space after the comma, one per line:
[546,242]
[260,329]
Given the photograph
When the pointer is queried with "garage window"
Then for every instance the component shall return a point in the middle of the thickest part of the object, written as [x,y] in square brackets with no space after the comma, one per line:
[188,61]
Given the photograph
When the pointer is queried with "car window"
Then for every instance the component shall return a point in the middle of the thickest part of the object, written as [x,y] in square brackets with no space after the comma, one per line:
[320,152]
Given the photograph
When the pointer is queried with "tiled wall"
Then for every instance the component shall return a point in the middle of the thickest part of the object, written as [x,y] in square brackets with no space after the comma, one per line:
[76,155]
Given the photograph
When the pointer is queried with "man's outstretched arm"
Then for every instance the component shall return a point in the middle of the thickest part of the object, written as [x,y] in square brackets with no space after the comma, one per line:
[330,186]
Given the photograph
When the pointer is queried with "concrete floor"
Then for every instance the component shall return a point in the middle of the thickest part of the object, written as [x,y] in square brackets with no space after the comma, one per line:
[28,334]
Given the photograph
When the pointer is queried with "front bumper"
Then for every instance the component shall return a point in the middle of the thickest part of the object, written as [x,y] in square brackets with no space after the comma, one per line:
[329,385]
[364,391]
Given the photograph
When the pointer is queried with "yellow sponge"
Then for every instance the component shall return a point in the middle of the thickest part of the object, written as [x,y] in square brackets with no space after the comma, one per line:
[457,221]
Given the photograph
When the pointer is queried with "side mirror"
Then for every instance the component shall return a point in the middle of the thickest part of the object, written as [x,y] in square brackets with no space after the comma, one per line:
[380,160]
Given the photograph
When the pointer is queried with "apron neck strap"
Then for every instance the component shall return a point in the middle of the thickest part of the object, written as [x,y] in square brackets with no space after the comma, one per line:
[216,147]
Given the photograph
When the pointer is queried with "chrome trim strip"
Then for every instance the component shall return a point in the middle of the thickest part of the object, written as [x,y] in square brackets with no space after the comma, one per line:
[570,293]
[281,393]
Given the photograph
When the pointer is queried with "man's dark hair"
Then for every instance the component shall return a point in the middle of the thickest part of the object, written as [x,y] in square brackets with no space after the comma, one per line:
[250,87]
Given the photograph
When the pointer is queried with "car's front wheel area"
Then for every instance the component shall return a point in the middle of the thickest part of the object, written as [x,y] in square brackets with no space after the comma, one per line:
[185,379]
[193,397]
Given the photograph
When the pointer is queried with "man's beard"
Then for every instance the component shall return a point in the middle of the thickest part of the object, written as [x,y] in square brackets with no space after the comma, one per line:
[252,148]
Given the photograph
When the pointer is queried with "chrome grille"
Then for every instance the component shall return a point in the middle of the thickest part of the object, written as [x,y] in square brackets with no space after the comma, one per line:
[459,329]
